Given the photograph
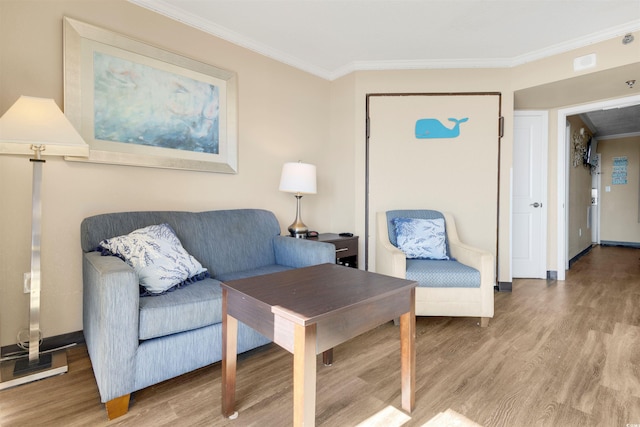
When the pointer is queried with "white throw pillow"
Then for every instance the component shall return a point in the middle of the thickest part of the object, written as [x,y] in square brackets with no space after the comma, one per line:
[157,255]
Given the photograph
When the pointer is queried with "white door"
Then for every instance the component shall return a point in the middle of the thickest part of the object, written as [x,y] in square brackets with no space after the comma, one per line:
[529,223]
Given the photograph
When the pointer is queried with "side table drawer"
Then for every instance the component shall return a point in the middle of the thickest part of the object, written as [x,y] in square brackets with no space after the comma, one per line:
[346,248]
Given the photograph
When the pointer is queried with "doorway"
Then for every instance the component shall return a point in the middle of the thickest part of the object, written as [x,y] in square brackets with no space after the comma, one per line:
[563,155]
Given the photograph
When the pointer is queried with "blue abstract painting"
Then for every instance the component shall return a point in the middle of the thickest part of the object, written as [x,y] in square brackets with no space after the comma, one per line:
[433,128]
[138,104]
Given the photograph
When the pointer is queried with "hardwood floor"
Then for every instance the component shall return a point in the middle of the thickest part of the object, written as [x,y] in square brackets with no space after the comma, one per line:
[556,354]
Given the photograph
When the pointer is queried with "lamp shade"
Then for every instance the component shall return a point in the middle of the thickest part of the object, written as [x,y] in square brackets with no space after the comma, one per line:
[39,121]
[298,178]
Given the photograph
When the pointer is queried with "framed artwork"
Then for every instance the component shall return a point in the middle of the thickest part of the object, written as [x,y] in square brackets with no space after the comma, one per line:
[138,105]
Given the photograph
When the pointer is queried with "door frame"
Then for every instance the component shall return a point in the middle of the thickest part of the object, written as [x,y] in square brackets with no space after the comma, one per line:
[563,171]
[544,114]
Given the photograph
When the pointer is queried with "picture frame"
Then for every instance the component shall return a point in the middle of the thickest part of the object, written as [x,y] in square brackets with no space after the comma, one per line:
[139,105]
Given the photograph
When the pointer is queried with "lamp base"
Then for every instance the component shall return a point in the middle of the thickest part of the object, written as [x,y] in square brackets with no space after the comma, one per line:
[298,229]
[298,234]
[19,371]
[24,366]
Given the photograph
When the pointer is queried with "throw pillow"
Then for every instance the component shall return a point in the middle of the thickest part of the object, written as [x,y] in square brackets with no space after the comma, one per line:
[421,238]
[156,254]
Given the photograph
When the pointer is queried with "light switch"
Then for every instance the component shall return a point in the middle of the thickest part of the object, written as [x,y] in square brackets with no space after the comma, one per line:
[607,189]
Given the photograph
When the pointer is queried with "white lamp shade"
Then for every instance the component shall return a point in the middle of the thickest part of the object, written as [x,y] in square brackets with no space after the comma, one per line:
[39,121]
[298,178]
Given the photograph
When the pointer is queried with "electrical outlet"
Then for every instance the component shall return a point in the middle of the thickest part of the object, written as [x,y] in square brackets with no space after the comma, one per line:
[27,283]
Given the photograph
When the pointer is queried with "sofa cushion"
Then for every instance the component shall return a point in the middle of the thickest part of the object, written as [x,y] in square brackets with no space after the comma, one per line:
[442,274]
[187,308]
[421,238]
[157,256]
[191,307]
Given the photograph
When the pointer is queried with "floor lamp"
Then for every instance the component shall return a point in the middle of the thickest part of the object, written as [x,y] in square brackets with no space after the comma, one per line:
[36,127]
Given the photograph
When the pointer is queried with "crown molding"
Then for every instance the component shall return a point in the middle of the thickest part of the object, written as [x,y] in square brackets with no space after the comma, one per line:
[597,37]
[618,136]
[163,8]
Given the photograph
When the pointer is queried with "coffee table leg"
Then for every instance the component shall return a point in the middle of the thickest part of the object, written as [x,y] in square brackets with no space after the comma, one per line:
[327,357]
[304,375]
[229,356]
[408,356]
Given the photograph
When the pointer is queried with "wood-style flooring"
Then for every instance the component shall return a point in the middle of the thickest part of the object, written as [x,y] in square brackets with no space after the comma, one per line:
[555,354]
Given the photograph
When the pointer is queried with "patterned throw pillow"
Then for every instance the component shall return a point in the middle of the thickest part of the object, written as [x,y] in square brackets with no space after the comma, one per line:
[421,238]
[156,254]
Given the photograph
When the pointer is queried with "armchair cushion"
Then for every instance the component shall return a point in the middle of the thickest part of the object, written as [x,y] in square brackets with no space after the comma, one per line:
[421,238]
[442,274]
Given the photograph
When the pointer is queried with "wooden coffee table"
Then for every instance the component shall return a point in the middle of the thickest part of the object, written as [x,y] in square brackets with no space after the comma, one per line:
[309,310]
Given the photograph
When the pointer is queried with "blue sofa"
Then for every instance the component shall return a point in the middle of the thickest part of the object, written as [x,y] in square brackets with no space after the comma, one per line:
[135,341]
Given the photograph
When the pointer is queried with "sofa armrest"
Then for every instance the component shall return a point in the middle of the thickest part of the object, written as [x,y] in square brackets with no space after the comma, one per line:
[389,259]
[110,316]
[483,261]
[479,259]
[298,253]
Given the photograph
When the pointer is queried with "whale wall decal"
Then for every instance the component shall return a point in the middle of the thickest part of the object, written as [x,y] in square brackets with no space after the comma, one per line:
[433,128]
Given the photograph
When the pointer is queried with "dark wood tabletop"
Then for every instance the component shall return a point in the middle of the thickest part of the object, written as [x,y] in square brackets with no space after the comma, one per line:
[306,295]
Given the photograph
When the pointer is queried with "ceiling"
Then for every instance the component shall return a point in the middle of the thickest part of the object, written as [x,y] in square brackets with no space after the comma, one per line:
[618,121]
[331,38]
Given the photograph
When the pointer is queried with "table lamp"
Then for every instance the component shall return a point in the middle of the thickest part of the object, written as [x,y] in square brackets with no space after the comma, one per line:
[298,178]
[37,127]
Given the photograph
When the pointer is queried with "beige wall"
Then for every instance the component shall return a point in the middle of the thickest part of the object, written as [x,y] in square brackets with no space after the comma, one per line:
[426,81]
[619,220]
[284,115]
[579,231]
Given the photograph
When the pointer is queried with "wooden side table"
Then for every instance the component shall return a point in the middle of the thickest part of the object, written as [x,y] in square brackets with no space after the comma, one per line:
[346,248]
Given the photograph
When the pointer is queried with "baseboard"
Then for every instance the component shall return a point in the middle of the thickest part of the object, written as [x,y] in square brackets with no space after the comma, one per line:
[504,286]
[580,255]
[49,343]
[614,243]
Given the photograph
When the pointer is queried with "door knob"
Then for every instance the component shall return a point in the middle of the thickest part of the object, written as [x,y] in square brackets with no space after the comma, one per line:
[536,205]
